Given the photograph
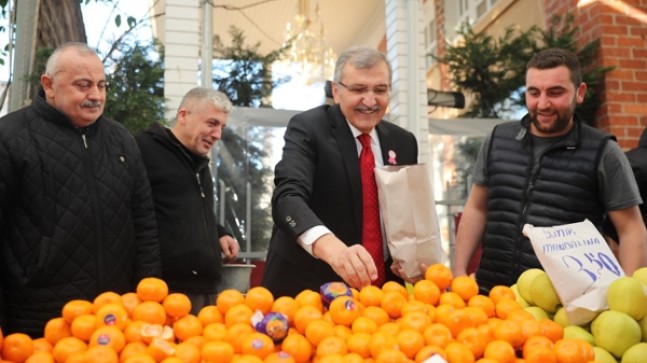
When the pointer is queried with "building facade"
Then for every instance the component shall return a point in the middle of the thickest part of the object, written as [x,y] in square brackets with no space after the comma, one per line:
[620,26]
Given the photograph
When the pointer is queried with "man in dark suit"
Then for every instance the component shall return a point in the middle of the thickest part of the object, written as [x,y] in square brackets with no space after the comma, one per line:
[317,201]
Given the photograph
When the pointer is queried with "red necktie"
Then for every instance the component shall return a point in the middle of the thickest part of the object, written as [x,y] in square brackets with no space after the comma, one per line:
[371,229]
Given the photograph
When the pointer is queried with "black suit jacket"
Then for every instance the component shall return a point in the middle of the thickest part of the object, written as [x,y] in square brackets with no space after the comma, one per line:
[317,182]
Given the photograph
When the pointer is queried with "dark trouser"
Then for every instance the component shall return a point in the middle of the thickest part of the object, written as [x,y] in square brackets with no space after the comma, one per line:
[200,300]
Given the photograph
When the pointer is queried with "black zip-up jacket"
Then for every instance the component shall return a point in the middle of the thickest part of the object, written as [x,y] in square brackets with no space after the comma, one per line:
[563,190]
[76,214]
[184,205]
[638,160]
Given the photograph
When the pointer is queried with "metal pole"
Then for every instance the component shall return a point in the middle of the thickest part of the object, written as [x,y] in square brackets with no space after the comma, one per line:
[221,213]
[248,219]
[25,50]
[207,43]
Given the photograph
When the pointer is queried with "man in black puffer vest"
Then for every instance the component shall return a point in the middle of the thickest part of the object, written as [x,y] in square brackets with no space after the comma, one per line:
[549,169]
[76,213]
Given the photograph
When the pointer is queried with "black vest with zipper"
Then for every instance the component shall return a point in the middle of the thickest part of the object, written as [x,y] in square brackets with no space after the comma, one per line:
[564,189]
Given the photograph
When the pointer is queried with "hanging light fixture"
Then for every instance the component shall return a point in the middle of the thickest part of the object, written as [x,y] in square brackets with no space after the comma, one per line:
[308,51]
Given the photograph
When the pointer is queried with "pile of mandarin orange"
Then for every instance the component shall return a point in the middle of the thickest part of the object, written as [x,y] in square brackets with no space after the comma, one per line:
[438,319]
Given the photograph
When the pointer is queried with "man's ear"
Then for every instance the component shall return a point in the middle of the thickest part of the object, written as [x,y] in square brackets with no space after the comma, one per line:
[580,93]
[181,114]
[47,82]
[335,91]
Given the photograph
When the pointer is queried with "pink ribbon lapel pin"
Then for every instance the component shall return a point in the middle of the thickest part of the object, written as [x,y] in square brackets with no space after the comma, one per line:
[392,155]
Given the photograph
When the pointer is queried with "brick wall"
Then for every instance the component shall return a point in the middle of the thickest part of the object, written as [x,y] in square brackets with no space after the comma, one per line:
[621,27]
[445,78]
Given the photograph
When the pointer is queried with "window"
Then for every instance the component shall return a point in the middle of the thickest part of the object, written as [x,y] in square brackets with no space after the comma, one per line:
[472,11]
[430,42]
[463,6]
[431,30]
[243,175]
[481,8]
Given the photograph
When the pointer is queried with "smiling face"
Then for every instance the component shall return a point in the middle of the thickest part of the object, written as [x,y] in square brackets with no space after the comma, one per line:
[199,125]
[551,98]
[77,87]
[363,94]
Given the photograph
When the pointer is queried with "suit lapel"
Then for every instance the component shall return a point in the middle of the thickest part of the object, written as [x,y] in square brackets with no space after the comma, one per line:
[386,143]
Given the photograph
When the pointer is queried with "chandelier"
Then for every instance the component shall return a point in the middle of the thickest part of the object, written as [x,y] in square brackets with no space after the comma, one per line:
[308,52]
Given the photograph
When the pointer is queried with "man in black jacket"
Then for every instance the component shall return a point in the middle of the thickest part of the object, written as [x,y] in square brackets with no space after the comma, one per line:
[178,170]
[76,213]
[638,160]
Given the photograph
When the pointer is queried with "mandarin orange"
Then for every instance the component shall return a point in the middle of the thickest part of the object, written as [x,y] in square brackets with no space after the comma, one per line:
[259,298]
[152,289]
[287,306]
[65,347]
[331,345]
[465,286]
[186,327]
[317,330]
[309,297]
[176,305]
[457,352]
[151,312]
[410,341]
[428,351]
[426,291]
[257,344]
[210,314]
[501,351]
[16,347]
[439,274]
[370,295]
[188,352]
[344,310]
[298,347]
[112,314]
[74,308]
[359,343]
[56,329]
[106,297]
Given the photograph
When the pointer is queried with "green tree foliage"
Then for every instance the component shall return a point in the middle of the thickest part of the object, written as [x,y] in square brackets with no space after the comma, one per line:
[493,70]
[135,95]
[485,67]
[242,72]
[562,34]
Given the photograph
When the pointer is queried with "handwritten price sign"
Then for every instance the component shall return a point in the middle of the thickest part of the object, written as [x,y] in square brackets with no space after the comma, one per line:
[579,263]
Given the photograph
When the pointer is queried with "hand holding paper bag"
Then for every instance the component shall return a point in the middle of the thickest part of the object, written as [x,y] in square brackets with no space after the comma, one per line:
[410,219]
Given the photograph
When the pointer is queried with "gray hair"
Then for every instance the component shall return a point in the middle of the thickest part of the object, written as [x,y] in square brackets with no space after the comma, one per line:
[361,57]
[53,61]
[217,98]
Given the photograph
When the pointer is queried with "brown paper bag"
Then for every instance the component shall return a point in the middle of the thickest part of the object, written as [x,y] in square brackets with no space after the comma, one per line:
[409,214]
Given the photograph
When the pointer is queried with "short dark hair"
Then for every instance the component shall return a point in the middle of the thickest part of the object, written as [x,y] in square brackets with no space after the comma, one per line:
[555,57]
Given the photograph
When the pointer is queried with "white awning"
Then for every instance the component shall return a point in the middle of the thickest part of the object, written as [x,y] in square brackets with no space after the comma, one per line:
[463,126]
[279,118]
